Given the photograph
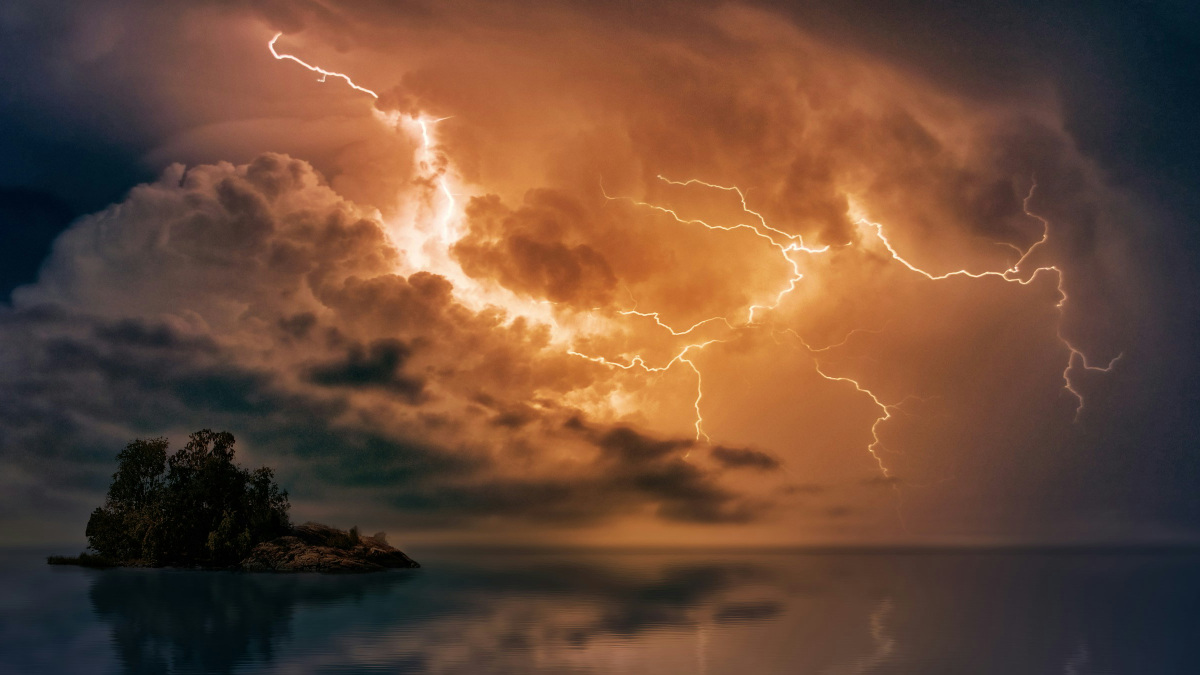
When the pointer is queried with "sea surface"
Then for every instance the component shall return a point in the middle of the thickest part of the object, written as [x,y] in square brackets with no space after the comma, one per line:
[747,613]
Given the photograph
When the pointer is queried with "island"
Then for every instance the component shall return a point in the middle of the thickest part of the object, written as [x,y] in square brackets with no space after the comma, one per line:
[196,508]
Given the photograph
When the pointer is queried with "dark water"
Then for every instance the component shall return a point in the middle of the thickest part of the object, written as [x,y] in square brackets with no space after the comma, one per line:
[742,614]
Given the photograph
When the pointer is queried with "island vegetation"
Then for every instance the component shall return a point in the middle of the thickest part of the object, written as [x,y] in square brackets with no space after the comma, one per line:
[197,508]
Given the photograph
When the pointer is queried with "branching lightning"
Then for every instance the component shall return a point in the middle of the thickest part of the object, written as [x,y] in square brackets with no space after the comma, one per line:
[1012,275]
[885,409]
[831,347]
[788,246]
[685,331]
[682,357]
[428,155]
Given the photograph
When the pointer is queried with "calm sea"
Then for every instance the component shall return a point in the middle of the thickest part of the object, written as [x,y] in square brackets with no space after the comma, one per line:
[728,613]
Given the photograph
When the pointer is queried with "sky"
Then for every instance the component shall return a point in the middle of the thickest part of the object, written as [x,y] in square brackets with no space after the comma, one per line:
[684,274]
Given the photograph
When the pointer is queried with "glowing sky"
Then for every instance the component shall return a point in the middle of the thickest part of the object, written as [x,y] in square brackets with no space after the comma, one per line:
[657,274]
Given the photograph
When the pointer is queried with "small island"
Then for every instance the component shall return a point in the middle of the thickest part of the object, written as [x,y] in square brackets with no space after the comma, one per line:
[196,508]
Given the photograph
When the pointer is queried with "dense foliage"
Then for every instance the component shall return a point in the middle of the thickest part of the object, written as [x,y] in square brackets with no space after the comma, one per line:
[194,507]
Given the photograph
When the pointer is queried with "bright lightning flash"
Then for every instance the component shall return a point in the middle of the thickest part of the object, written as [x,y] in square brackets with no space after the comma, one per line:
[1014,275]
[787,245]
[321,71]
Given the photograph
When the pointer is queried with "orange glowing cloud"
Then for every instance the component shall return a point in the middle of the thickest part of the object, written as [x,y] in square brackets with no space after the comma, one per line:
[707,275]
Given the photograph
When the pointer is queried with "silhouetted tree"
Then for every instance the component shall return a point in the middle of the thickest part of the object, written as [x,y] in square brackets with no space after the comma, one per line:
[195,507]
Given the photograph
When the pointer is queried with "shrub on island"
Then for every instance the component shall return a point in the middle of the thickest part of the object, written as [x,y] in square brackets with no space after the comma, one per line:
[195,507]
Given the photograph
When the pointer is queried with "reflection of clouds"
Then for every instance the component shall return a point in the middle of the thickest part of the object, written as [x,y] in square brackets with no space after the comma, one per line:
[623,613]
[481,612]
[559,616]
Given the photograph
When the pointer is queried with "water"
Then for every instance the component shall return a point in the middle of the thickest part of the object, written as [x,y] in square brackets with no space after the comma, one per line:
[716,613]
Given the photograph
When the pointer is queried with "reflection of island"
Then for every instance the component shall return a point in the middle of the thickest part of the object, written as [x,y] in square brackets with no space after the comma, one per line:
[165,621]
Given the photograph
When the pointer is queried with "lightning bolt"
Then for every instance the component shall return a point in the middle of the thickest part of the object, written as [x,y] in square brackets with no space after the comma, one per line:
[790,243]
[885,409]
[430,157]
[673,331]
[782,241]
[787,245]
[835,345]
[427,144]
[1011,275]
[325,74]
[682,357]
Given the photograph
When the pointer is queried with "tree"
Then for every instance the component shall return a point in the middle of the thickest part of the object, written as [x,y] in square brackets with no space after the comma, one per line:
[127,527]
[195,507]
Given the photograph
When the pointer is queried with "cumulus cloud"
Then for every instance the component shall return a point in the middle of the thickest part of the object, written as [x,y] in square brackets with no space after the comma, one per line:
[255,298]
[524,250]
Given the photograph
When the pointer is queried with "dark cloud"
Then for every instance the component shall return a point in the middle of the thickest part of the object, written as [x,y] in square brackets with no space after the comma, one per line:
[744,458]
[382,459]
[136,333]
[298,326]
[629,446]
[804,489]
[656,467]
[632,471]
[378,364]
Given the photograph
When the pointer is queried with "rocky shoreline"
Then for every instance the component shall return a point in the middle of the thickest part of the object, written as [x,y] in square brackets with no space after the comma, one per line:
[311,547]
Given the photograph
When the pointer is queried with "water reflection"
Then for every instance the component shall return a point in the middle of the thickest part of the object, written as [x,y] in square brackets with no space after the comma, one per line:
[166,621]
[628,613]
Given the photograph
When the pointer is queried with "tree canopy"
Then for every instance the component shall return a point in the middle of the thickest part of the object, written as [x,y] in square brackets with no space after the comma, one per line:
[193,507]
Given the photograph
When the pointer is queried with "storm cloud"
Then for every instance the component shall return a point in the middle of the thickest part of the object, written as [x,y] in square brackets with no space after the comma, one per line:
[614,273]
[245,255]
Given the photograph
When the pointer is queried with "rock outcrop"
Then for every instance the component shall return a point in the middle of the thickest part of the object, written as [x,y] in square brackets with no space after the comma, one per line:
[313,547]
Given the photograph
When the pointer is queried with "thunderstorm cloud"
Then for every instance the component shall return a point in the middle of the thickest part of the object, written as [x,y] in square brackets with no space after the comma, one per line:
[595,274]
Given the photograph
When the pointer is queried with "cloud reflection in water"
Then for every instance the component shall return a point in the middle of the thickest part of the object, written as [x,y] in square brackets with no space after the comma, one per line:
[478,612]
